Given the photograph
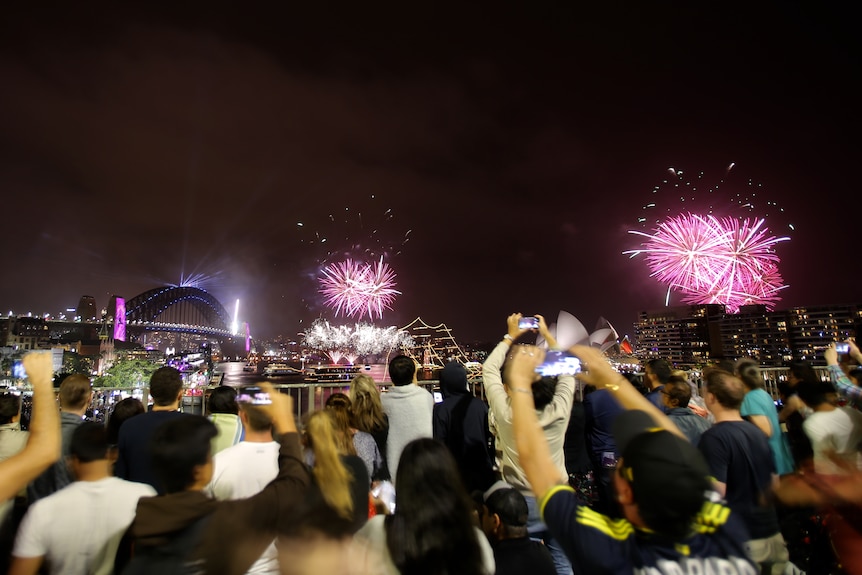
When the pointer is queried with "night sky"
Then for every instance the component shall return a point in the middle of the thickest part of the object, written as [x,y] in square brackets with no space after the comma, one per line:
[514,143]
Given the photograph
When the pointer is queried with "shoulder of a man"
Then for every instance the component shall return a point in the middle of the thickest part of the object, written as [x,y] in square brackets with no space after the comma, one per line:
[600,543]
[132,488]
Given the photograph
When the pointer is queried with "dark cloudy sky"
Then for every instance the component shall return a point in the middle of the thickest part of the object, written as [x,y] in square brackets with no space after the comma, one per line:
[515,142]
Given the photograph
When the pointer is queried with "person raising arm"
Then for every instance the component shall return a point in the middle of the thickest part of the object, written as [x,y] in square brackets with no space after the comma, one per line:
[531,444]
[671,522]
[43,445]
[840,380]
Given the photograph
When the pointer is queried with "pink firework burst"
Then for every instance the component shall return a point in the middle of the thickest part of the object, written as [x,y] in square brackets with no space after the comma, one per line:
[715,260]
[358,289]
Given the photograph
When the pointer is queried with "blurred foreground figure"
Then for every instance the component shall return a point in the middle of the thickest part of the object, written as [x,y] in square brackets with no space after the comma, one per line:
[840,497]
[78,528]
[432,528]
[43,444]
[185,528]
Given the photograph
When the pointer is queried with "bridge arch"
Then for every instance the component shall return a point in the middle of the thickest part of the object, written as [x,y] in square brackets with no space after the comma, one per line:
[191,304]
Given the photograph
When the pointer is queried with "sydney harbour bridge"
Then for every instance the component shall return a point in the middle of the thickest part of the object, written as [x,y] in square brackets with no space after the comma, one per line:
[182,310]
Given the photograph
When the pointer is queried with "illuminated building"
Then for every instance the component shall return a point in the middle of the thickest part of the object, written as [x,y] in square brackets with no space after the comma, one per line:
[758,334]
[686,335]
[696,335]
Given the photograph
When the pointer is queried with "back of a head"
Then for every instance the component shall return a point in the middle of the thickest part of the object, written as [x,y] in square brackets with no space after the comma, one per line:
[367,409]
[177,447]
[425,466]
[165,386]
[10,406]
[338,400]
[678,390]
[401,370]
[123,410]
[223,400]
[670,480]
[509,504]
[255,418]
[89,442]
[726,365]
[814,393]
[453,379]
[749,372]
[803,371]
[431,530]
[338,406]
[668,475]
[729,391]
[543,391]
[661,368]
[75,392]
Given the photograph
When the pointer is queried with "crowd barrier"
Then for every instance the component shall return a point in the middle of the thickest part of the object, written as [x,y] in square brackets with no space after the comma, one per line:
[312,396]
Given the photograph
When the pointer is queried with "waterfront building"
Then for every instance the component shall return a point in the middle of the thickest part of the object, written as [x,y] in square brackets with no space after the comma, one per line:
[758,334]
[687,335]
[695,335]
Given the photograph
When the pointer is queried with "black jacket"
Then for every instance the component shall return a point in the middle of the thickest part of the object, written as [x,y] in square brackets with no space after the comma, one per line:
[461,422]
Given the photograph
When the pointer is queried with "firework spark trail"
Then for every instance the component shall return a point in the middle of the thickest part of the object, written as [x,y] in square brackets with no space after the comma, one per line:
[712,260]
[357,289]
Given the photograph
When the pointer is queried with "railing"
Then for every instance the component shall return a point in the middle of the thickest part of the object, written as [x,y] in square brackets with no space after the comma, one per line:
[312,396]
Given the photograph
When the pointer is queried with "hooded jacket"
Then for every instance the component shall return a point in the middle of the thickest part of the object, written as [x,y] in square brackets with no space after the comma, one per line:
[236,532]
[461,422]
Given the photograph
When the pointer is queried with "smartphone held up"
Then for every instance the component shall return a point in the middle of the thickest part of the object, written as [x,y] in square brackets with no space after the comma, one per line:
[559,363]
[528,323]
[253,395]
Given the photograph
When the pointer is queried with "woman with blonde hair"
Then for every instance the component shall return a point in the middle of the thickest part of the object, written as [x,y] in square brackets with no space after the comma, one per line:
[340,475]
[356,442]
[367,415]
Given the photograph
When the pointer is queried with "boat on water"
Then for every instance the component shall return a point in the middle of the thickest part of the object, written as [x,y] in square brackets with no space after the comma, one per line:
[331,373]
[277,369]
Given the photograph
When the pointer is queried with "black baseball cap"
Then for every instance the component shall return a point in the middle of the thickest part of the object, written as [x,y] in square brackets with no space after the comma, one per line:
[669,476]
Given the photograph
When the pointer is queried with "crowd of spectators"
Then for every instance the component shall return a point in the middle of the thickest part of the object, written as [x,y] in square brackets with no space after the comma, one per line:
[572,473]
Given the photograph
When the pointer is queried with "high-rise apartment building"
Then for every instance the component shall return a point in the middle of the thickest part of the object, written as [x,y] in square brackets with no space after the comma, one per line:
[684,335]
[811,328]
[694,335]
[758,334]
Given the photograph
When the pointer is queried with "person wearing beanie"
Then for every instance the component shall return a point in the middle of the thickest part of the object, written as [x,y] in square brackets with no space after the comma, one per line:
[461,423]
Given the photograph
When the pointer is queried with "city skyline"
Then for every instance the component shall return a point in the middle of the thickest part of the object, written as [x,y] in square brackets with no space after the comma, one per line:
[495,157]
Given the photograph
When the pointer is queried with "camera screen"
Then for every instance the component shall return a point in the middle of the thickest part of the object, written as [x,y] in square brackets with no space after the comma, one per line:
[842,347]
[559,363]
[253,395]
[528,323]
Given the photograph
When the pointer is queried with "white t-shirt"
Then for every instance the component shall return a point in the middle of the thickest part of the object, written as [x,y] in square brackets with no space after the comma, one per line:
[241,471]
[78,528]
[839,430]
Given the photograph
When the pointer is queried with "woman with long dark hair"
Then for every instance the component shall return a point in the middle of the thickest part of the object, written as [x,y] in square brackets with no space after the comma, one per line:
[431,531]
